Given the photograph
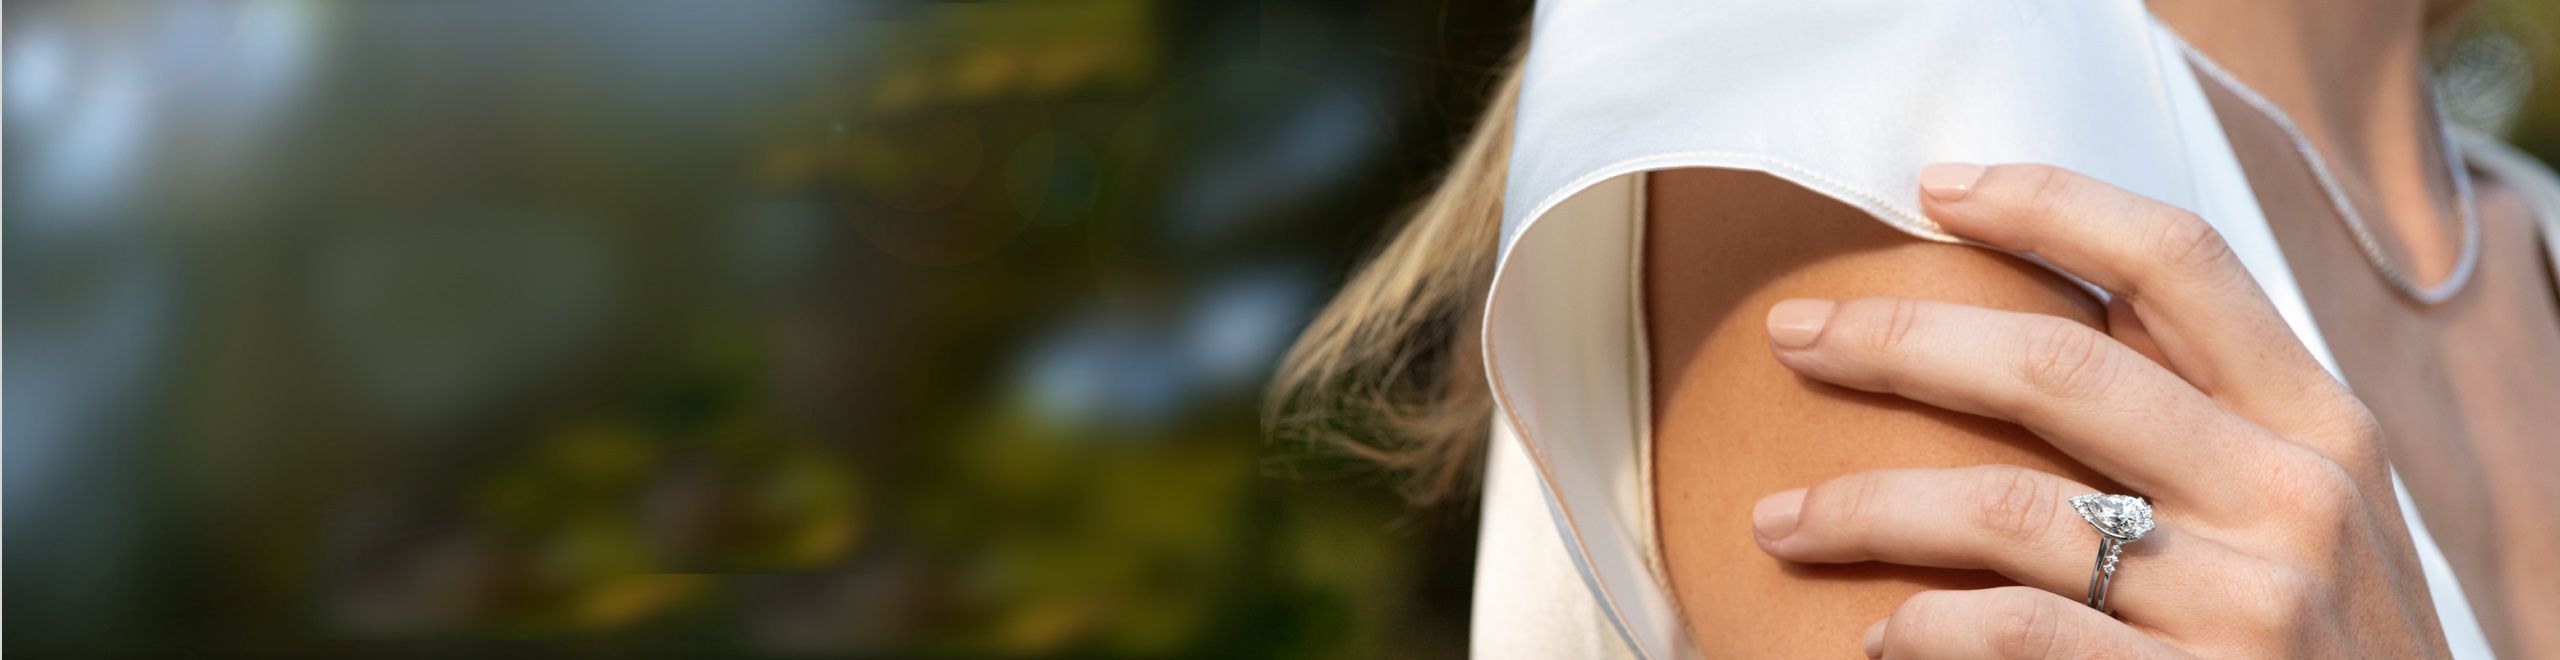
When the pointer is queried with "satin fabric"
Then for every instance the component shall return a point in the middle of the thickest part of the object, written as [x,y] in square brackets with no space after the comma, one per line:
[1848,98]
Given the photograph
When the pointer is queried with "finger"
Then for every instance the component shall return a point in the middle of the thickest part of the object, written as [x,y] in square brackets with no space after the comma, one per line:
[2007,622]
[2208,316]
[2006,519]
[2091,397]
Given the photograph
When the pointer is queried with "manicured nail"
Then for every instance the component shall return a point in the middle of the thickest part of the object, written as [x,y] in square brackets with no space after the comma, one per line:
[1794,323]
[1875,639]
[1775,516]
[1947,182]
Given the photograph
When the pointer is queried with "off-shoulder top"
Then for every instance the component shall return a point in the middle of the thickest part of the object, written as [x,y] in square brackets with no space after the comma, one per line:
[1847,98]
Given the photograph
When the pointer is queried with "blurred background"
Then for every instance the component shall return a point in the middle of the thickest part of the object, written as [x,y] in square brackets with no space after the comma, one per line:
[764,328]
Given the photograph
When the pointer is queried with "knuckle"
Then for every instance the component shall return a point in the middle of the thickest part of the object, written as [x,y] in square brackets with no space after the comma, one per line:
[2357,446]
[2188,246]
[1882,325]
[2018,505]
[2048,188]
[1922,611]
[2333,497]
[2064,360]
[1843,503]
[2276,599]
[2357,421]
[2029,627]
[2315,491]
[1902,315]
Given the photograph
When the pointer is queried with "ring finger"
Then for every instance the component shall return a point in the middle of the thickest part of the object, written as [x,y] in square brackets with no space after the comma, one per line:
[2006,519]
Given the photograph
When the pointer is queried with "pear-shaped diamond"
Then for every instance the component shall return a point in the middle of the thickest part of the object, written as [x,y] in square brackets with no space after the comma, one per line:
[2123,517]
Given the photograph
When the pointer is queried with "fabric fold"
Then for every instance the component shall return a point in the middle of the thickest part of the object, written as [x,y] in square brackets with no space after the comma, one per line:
[1847,98]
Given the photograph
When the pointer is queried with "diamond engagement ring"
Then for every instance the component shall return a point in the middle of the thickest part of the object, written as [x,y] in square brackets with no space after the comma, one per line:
[2120,519]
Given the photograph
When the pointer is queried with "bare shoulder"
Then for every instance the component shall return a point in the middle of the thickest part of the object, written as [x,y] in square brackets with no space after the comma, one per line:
[1731,425]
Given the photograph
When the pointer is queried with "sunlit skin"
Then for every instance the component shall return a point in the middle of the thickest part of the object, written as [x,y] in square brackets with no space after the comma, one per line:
[2452,387]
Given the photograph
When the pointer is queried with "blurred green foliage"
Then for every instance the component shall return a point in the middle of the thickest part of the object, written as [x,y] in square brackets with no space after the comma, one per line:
[731,329]
[705,329]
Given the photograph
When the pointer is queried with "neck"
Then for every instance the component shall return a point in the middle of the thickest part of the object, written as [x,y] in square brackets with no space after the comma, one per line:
[2351,74]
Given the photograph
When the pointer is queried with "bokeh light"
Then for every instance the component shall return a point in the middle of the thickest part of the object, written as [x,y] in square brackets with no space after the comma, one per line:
[719,329]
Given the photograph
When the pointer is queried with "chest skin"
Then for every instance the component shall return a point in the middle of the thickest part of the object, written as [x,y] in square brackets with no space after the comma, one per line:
[2467,391]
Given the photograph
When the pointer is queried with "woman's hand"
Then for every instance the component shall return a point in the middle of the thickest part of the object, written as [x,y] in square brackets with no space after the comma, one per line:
[2278,530]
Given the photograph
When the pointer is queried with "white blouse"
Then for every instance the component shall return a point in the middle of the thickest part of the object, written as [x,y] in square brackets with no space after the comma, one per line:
[1848,98]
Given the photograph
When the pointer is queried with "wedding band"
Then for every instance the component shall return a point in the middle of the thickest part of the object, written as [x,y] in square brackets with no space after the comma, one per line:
[2120,519]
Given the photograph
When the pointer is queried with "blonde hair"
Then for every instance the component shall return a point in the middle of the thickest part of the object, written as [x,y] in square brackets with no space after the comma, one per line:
[1390,372]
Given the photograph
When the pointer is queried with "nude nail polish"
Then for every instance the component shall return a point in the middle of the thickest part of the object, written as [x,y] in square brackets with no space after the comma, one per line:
[1775,516]
[1795,323]
[1948,182]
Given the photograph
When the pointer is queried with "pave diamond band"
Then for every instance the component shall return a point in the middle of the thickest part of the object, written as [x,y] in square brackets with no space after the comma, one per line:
[2120,519]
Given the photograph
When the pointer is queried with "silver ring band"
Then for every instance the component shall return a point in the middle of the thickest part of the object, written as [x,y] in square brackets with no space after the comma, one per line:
[2103,574]
[2120,519]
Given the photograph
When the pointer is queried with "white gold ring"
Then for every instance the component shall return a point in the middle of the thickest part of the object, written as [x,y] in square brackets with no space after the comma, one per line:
[2120,519]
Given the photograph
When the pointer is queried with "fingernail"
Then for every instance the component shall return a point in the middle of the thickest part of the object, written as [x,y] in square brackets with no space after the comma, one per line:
[1875,639]
[1775,516]
[1794,323]
[1947,182]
